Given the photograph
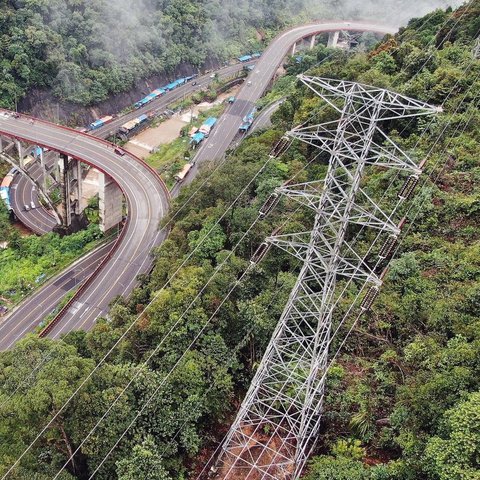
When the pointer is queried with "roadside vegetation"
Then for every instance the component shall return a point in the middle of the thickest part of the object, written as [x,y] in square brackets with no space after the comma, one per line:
[30,260]
[403,398]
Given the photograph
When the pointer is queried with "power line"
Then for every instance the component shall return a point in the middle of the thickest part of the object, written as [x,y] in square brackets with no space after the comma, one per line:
[298,350]
[82,442]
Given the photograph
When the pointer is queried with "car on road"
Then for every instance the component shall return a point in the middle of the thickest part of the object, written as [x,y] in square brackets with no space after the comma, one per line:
[249,83]
[32,204]
[231,100]
[194,83]
[27,208]
[119,151]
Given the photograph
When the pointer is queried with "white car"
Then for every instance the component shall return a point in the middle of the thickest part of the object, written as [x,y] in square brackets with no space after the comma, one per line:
[27,208]
[32,204]
[249,82]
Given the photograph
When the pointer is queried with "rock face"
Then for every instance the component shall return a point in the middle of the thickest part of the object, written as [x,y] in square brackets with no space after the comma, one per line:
[42,103]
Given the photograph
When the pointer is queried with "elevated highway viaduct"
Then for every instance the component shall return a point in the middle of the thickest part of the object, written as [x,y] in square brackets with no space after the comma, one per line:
[146,195]
[39,220]
[147,198]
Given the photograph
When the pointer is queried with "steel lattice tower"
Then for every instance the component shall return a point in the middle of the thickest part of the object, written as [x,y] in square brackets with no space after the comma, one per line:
[279,419]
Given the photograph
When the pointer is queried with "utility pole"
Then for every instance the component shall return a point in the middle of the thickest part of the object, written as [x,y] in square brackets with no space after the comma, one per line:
[279,419]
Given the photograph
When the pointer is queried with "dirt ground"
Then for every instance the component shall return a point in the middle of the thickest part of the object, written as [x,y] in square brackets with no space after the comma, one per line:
[145,142]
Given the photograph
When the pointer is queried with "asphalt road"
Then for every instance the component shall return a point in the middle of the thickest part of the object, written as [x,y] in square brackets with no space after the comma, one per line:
[147,199]
[29,313]
[39,219]
[265,68]
[146,194]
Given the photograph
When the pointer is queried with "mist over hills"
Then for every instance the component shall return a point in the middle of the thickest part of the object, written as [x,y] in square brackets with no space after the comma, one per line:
[86,50]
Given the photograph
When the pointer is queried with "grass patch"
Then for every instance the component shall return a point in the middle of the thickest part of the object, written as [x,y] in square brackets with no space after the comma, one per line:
[170,159]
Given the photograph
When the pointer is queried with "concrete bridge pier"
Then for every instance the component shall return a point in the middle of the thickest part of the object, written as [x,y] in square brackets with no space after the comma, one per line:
[6,144]
[23,152]
[333,39]
[44,170]
[65,191]
[313,40]
[294,49]
[71,195]
[110,204]
[76,186]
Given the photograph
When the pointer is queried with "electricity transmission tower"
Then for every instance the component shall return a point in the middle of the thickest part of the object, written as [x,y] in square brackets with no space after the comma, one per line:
[279,419]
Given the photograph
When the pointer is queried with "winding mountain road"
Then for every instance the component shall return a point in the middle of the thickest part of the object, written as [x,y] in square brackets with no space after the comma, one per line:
[146,194]
[147,199]
[39,220]
[265,69]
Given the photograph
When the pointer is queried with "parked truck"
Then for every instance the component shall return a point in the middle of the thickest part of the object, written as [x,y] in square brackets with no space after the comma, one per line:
[247,121]
[101,122]
[197,139]
[183,173]
[207,126]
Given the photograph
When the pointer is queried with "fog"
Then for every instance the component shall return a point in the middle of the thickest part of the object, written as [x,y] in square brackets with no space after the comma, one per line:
[391,12]
[101,47]
[123,27]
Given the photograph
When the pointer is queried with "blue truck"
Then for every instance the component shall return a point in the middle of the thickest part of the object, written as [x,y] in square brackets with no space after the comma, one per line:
[247,121]
[101,122]
[207,126]
[196,139]
[245,58]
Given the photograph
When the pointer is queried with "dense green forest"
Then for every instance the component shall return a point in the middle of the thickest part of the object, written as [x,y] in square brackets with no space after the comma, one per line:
[86,50]
[403,398]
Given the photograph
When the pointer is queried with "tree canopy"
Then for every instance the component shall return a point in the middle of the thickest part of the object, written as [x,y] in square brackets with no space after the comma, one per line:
[402,399]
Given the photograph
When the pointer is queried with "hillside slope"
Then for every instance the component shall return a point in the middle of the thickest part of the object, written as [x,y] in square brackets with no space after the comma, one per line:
[402,401]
